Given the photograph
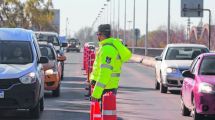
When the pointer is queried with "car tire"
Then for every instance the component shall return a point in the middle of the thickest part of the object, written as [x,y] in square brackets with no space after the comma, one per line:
[42,104]
[157,85]
[163,89]
[78,51]
[35,112]
[195,115]
[184,110]
[56,93]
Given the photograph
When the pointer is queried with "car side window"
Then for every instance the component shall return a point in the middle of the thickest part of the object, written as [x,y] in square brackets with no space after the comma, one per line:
[194,65]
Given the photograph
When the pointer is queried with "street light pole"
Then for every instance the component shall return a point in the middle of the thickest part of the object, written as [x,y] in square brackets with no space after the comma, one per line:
[134,17]
[118,29]
[124,40]
[168,31]
[147,25]
[113,18]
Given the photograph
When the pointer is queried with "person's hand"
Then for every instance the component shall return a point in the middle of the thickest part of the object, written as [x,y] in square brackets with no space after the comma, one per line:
[94,99]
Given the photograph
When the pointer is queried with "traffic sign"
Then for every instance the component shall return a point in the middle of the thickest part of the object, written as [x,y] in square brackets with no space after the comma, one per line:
[192,8]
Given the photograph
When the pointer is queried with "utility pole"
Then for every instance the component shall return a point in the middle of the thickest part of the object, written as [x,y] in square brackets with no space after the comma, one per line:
[147,25]
[124,40]
[118,29]
[188,28]
[134,17]
[168,31]
[66,31]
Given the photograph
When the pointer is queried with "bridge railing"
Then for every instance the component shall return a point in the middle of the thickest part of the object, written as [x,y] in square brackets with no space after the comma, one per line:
[152,52]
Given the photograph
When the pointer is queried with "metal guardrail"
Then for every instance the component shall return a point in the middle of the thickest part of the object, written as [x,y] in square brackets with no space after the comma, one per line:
[152,52]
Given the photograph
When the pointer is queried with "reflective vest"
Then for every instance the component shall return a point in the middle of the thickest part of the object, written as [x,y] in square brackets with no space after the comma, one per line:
[107,66]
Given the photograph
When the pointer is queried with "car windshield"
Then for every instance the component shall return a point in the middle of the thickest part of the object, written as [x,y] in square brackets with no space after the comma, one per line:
[184,53]
[49,38]
[47,52]
[15,52]
[207,66]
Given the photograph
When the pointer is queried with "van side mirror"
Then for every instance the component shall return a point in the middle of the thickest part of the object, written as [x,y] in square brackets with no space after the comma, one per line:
[43,60]
[158,58]
[188,74]
[64,44]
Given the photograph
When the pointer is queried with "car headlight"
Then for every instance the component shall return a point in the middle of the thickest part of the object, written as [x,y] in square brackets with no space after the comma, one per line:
[50,72]
[206,88]
[77,45]
[171,70]
[28,79]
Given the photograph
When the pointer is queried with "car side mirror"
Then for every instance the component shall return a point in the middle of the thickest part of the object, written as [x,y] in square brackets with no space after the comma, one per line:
[43,60]
[188,74]
[61,58]
[158,58]
[64,44]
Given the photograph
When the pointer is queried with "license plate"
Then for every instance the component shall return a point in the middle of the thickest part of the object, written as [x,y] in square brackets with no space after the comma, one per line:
[1,94]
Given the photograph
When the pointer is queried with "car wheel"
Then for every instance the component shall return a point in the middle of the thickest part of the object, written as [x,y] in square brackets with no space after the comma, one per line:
[78,51]
[163,89]
[35,112]
[42,104]
[184,110]
[157,86]
[195,115]
[56,93]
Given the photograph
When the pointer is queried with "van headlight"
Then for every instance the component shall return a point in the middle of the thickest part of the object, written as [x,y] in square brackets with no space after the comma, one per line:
[171,70]
[206,88]
[28,79]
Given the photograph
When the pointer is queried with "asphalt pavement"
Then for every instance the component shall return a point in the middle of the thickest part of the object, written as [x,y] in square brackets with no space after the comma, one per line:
[136,99]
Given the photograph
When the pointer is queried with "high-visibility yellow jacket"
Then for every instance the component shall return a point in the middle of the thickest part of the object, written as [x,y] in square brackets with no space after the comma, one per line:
[107,66]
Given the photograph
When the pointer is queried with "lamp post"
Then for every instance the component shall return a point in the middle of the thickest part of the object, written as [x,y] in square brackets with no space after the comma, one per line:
[134,17]
[125,17]
[147,25]
[168,31]
[118,29]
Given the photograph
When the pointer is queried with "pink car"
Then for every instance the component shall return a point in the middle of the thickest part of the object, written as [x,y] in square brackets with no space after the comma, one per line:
[198,89]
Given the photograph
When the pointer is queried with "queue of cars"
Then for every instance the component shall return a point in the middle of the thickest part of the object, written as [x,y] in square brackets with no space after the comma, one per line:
[192,68]
[26,68]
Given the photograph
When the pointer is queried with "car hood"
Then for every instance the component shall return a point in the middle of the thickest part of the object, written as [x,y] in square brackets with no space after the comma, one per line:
[14,70]
[177,63]
[49,65]
[207,79]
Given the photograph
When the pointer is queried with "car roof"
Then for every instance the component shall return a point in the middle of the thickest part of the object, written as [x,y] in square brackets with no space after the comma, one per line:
[46,33]
[16,34]
[186,45]
[208,54]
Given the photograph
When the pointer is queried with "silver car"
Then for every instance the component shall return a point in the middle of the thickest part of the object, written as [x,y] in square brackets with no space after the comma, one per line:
[174,59]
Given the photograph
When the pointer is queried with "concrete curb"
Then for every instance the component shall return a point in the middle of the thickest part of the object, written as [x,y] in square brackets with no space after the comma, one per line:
[145,60]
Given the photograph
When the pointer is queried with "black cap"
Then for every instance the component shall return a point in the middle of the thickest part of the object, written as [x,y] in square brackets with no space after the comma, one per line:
[104,28]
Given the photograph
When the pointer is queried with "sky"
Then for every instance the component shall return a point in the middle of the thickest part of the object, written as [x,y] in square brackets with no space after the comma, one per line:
[82,13]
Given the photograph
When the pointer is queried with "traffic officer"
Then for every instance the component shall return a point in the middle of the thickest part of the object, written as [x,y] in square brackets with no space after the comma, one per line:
[107,66]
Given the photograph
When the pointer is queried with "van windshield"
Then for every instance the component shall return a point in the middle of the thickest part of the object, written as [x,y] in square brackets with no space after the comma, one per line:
[50,39]
[15,52]
[207,66]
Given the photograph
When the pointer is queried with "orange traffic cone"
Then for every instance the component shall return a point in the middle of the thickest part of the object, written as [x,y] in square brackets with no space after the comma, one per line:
[97,112]
[109,107]
[92,104]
